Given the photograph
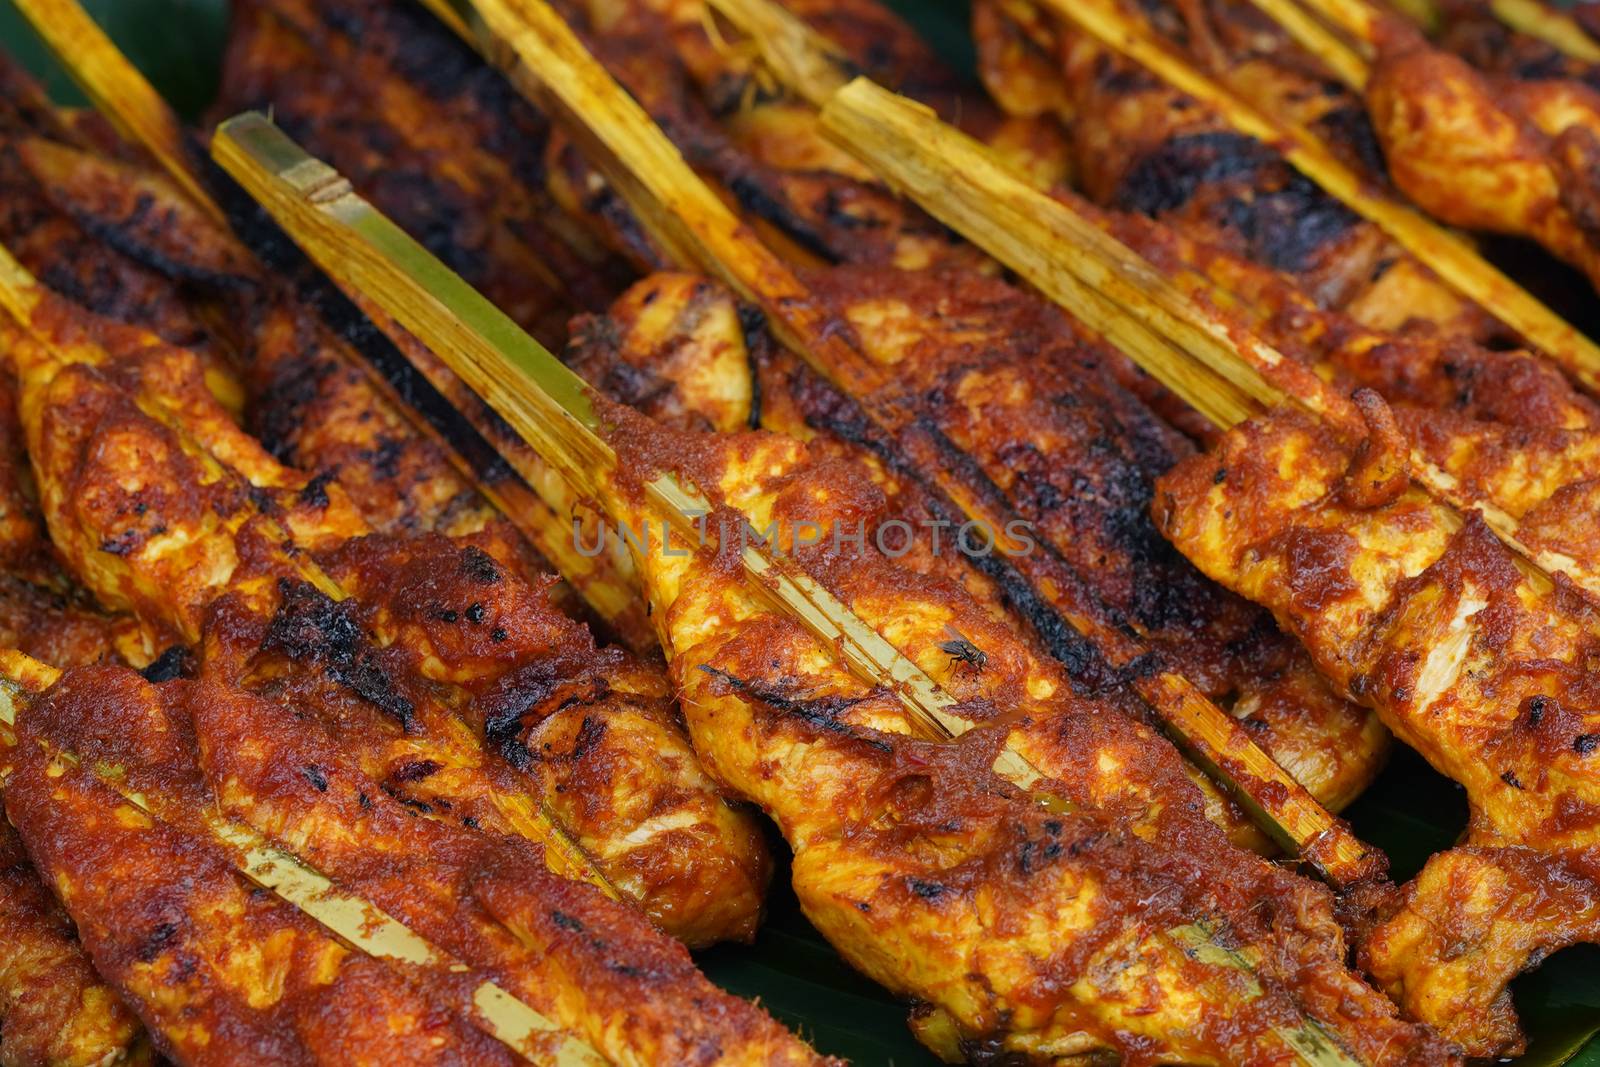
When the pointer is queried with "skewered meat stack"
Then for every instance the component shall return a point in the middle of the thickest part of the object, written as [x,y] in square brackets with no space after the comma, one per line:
[1487,485]
[395,666]
[655,293]
[1485,149]
[901,321]
[736,687]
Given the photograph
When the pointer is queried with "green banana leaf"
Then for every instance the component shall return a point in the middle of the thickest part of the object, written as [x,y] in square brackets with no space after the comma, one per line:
[1411,812]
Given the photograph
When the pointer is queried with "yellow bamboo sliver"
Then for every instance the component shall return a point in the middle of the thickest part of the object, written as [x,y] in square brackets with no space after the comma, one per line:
[965,187]
[959,181]
[803,59]
[1344,62]
[128,99]
[546,60]
[1452,258]
[19,295]
[1358,18]
[1555,28]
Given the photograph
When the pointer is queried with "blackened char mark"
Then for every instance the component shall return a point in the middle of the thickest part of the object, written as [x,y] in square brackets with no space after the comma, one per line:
[273,246]
[427,56]
[830,411]
[819,712]
[755,197]
[1283,218]
[1168,177]
[1350,128]
[310,627]
[757,347]
[1289,229]
[279,410]
[176,662]
[1087,669]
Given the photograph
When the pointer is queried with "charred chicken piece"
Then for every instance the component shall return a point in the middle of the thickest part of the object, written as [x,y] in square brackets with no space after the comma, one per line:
[213,538]
[219,970]
[1470,657]
[1002,383]
[914,859]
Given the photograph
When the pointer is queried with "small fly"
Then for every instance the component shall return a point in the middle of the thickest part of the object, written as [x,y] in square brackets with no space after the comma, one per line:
[960,650]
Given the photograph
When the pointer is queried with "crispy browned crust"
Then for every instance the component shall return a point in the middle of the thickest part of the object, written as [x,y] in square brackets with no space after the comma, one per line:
[197,541]
[431,135]
[936,877]
[1144,148]
[1470,30]
[1487,153]
[54,1009]
[1472,921]
[1470,658]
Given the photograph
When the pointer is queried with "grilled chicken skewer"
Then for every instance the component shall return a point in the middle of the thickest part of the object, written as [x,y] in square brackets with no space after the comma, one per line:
[287,346]
[422,770]
[530,621]
[1525,39]
[898,840]
[54,1009]
[1471,659]
[1305,723]
[1493,403]
[1528,905]
[1174,695]
[218,968]
[1506,156]
[1142,146]
[214,583]
[1455,262]
[1405,661]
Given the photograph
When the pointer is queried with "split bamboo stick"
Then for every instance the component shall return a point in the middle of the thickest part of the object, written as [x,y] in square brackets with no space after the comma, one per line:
[118,90]
[20,295]
[1535,18]
[1345,62]
[548,405]
[958,181]
[1554,27]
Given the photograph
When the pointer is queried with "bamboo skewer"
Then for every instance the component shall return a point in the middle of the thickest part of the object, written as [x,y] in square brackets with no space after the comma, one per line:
[803,59]
[1448,255]
[1536,19]
[20,295]
[1359,18]
[357,922]
[1555,28]
[534,507]
[1346,63]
